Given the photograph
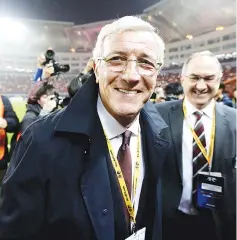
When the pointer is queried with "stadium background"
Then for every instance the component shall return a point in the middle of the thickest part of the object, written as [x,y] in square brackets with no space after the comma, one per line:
[186,27]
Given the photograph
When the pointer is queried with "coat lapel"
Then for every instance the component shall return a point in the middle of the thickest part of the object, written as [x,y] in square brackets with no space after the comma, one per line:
[157,146]
[176,118]
[78,118]
[155,150]
[96,189]
[220,131]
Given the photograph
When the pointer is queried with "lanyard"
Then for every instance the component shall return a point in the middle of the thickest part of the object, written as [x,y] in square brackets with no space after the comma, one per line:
[209,155]
[121,180]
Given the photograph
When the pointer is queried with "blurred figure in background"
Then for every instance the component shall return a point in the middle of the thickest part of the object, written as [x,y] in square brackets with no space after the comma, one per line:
[160,94]
[173,91]
[74,86]
[42,100]
[234,98]
[222,97]
[72,89]
[9,123]
[87,71]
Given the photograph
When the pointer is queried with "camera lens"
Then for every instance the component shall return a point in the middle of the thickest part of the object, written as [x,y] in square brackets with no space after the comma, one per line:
[49,54]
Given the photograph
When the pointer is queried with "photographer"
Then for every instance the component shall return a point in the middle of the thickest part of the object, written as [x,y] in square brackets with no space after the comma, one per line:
[47,67]
[77,82]
[42,100]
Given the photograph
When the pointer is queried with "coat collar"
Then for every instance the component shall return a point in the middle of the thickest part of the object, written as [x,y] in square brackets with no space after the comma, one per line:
[79,116]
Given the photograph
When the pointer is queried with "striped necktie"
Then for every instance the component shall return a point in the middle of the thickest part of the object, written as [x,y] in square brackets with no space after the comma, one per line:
[199,161]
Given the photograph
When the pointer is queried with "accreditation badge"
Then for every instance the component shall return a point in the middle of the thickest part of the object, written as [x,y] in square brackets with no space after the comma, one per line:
[139,235]
[210,190]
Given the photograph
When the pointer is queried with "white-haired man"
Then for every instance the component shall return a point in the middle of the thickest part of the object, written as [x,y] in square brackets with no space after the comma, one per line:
[199,190]
[93,170]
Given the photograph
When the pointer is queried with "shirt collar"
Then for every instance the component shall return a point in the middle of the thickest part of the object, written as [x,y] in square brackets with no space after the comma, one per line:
[208,110]
[111,126]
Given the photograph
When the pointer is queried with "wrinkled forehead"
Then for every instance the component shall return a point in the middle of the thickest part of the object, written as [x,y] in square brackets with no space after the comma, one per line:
[203,65]
[138,43]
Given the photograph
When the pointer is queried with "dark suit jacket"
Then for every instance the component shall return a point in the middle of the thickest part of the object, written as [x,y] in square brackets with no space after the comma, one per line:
[60,184]
[224,161]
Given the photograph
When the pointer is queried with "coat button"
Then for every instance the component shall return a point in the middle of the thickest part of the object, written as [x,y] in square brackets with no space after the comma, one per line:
[105,211]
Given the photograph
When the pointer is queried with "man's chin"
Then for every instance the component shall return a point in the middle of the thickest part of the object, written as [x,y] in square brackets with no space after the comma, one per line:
[126,114]
[202,102]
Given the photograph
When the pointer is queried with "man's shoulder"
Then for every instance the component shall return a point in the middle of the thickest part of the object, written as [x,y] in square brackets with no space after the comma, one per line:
[167,105]
[227,110]
[229,114]
[44,126]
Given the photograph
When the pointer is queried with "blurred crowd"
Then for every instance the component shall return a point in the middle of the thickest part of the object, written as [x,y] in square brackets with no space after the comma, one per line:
[12,83]
[21,83]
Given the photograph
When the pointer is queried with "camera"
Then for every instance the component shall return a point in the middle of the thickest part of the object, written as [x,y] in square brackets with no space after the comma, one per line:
[60,101]
[58,68]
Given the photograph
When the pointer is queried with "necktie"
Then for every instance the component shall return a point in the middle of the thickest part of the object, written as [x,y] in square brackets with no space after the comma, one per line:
[125,162]
[199,161]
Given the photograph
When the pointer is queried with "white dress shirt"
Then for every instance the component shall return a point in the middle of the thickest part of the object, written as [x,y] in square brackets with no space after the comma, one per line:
[114,131]
[187,151]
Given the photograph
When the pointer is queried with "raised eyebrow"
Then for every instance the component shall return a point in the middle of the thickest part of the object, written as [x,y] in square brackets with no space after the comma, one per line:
[210,75]
[144,55]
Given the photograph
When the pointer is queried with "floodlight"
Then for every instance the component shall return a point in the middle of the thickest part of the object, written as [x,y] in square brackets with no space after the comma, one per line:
[189,37]
[219,28]
[12,30]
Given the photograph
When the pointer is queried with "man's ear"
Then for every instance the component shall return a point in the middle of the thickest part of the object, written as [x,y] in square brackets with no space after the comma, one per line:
[96,71]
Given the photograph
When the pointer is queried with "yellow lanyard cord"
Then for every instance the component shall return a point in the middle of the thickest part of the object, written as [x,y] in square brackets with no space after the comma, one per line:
[203,150]
[121,180]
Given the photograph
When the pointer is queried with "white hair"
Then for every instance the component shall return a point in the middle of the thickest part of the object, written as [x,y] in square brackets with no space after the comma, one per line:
[128,24]
[200,54]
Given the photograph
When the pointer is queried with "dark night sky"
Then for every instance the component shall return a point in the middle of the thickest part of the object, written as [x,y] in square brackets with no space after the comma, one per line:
[78,11]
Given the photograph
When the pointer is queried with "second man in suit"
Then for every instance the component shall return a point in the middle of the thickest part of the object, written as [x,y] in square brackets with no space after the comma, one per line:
[199,176]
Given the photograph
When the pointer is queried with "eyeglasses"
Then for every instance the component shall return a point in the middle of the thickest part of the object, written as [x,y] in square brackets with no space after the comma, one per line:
[119,64]
[197,78]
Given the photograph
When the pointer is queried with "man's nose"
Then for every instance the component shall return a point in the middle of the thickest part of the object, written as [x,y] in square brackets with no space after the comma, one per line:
[131,73]
[201,84]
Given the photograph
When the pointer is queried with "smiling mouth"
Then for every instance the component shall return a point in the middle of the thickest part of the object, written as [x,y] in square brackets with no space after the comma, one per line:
[128,92]
[200,93]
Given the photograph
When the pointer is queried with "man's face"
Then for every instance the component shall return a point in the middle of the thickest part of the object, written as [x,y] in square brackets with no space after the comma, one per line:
[201,80]
[124,93]
[42,100]
[45,98]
